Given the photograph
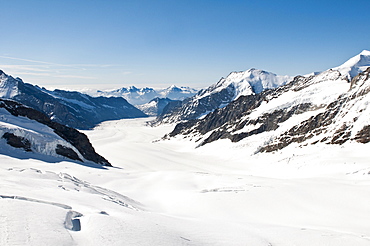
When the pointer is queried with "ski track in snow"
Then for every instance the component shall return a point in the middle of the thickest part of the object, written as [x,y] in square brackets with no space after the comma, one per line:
[168,193]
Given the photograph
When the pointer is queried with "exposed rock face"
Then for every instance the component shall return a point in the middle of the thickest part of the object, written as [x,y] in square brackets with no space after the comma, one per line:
[235,85]
[73,109]
[343,120]
[71,135]
[195,107]
[320,108]
[17,142]
[67,152]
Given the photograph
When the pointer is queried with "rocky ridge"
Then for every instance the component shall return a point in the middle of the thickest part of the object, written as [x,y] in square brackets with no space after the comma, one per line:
[235,85]
[73,109]
[325,108]
[24,134]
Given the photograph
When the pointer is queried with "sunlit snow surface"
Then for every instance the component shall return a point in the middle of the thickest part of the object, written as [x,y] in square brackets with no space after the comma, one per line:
[168,193]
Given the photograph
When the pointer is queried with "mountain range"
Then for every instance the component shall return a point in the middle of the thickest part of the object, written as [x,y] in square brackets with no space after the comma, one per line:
[226,90]
[329,107]
[256,107]
[70,108]
[272,161]
[139,96]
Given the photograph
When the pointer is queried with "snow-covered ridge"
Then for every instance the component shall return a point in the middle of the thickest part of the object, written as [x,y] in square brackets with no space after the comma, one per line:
[139,96]
[70,108]
[324,108]
[355,65]
[25,132]
[155,106]
[8,86]
[43,140]
[236,84]
[247,82]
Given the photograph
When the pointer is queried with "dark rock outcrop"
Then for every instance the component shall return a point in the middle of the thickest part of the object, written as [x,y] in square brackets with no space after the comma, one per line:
[67,152]
[222,120]
[71,135]
[319,124]
[333,122]
[17,141]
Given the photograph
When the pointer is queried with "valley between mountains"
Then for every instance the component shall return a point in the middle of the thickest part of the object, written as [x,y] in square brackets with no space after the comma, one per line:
[255,159]
[170,194]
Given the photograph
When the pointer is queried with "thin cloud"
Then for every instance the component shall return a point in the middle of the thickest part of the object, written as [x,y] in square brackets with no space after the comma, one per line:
[74,77]
[36,68]
[62,65]
[39,70]
[35,74]
[28,60]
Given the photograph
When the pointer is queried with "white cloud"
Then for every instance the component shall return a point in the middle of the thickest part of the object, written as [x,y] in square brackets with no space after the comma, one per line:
[45,73]
[74,77]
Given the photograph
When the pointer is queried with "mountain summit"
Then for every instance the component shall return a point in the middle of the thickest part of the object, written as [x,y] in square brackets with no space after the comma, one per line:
[355,65]
[236,84]
[321,108]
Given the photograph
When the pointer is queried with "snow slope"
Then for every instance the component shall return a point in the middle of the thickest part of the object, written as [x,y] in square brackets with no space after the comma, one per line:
[168,193]
[235,85]
[42,138]
[247,82]
[355,65]
[8,86]
[322,108]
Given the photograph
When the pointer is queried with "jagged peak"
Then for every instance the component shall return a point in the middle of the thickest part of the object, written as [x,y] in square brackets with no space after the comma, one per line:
[132,87]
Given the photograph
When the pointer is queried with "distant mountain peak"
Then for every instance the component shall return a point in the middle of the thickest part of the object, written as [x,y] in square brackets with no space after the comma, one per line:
[218,95]
[70,108]
[365,52]
[259,80]
[141,96]
[355,65]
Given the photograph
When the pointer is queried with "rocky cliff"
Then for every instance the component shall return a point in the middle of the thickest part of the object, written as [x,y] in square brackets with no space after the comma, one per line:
[325,108]
[28,129]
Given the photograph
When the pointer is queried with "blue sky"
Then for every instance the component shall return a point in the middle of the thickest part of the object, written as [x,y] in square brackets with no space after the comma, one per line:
[186,42]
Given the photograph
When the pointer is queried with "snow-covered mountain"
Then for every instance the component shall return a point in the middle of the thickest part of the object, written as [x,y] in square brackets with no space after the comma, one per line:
[355,65]
[73,109]
[177,93]
[236,84]
[28,133]
[288,166]
[139,96]
[323,108]
[155,106]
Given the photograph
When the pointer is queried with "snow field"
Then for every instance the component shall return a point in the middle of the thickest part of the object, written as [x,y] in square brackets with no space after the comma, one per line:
[168,193]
